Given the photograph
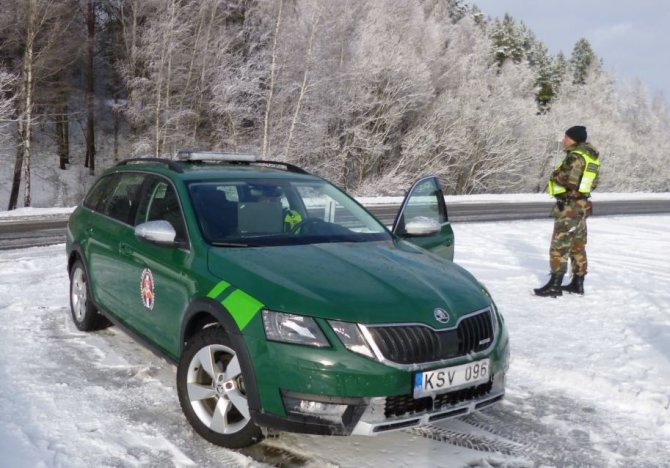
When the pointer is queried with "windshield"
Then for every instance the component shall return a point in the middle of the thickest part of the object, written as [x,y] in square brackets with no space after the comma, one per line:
[264,212]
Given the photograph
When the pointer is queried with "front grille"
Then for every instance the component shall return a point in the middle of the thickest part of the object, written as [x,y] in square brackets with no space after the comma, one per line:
[408,405]
[414,344]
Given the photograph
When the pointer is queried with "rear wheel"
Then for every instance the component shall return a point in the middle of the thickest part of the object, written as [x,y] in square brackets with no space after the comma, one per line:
[84,314]
[211,390]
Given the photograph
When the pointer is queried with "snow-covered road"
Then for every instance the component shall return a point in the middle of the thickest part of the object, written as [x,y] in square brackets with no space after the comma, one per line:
[589,383]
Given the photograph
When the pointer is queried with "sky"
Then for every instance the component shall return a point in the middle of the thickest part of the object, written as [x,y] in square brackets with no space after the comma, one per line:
[588,384]
[631,37]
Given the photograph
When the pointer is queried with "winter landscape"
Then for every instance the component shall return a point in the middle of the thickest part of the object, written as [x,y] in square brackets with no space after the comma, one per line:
[588,383]
[369,95]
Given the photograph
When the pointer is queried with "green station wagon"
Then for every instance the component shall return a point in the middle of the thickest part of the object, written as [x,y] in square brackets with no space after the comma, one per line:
[283,302]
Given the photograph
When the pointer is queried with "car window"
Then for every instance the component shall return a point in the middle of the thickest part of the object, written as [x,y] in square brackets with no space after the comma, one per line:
[99,195]
[160,202]
[122,200]
[424,202]
[269,212]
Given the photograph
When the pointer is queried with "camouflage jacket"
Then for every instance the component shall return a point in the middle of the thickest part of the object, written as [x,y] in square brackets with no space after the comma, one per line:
[569,172]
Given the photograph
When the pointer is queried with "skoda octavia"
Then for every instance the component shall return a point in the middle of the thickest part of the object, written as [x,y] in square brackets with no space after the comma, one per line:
[285,304]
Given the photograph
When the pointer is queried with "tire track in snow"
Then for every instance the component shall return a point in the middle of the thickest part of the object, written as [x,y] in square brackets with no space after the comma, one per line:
[466,440]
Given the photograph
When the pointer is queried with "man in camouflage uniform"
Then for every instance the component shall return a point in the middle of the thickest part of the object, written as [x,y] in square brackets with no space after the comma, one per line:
[571,183]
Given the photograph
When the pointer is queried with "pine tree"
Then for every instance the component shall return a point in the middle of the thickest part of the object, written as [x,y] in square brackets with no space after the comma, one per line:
[508,40]
[584,62]
[541,62]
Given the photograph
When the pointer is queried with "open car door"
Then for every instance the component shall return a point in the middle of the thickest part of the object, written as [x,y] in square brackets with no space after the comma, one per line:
[423,220]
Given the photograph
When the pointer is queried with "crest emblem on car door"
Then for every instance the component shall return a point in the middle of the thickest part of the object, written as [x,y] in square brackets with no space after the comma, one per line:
[147,289]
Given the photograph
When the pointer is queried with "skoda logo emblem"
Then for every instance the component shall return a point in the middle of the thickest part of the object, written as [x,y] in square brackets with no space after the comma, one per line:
[441,315]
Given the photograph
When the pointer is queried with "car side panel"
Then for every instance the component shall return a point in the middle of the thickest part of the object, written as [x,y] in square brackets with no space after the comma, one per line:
[173,286]
[106,274]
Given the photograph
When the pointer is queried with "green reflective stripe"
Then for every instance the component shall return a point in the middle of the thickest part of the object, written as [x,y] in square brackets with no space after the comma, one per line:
[218,289]
[242,307]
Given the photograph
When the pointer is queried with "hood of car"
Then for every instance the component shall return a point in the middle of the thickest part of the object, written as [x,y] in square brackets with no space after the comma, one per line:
[371,282]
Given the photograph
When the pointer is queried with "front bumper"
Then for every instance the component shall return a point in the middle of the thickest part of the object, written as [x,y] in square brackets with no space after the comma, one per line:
[376,419]
[377,415]
[333,391]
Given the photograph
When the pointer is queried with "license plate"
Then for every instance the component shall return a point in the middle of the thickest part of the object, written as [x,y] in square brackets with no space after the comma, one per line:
[436,381]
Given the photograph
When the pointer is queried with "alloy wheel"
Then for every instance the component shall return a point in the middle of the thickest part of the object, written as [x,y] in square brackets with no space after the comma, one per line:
[215,389]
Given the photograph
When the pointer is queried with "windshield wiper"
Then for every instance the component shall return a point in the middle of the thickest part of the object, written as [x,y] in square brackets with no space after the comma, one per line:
[229,244]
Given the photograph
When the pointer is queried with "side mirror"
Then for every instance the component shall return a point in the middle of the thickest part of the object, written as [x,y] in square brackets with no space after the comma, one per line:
[422,227]
[158,232]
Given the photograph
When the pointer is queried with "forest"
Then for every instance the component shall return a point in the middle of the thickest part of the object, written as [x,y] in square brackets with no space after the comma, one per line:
[369,94]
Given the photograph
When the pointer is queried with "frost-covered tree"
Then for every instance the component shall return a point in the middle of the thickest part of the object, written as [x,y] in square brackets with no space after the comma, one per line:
[173,49]
[559,71]
[541,62]
[509,40]
[240,76]
[370,94]
[32,32]
[584,62]
[7,85]
[473,135]
[389,84]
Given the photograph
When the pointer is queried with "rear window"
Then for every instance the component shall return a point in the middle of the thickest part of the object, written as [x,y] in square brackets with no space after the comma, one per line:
[97,197]
[116,196]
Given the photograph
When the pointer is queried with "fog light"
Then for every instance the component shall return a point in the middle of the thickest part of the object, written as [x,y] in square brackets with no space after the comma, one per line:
[329,411]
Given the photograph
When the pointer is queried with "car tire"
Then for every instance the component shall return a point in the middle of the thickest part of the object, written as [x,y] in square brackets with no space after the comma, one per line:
[210,386]
[84,313]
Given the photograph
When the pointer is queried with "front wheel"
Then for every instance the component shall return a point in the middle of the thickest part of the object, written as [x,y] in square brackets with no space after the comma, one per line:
[211,390]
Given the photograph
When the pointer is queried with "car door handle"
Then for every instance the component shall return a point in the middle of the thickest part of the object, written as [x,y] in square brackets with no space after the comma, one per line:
[125,249]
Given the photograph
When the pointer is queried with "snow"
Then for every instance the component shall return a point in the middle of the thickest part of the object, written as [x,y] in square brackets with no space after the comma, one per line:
[589,382]
[30,211]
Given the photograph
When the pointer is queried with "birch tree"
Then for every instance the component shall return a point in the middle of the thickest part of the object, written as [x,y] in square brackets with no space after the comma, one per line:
[171,69]
[7,86]
[271,86]
[24,107]
[304,84]
[240,79]
[34,30]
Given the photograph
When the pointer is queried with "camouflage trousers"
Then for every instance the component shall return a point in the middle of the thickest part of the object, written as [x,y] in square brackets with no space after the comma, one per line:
[569,238]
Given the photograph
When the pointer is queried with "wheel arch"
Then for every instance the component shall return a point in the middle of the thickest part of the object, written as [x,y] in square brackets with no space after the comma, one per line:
[76,253]
[202,313]
[205,312]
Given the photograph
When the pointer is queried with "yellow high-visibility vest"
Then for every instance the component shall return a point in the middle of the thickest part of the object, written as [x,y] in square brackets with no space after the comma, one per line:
[591,169]
[291,218]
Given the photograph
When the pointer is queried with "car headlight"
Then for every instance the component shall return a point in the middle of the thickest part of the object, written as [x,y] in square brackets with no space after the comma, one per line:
[351,337]
[290,328]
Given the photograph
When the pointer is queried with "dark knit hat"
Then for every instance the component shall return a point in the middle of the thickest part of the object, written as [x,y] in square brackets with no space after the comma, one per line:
[577,133]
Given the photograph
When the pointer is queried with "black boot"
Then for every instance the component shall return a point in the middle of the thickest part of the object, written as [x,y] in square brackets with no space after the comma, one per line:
[576,286]
[552,288]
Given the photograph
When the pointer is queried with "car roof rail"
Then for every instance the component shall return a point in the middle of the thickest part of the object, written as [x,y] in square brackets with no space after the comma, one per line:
[173,165]
[198,156]
[289,167]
